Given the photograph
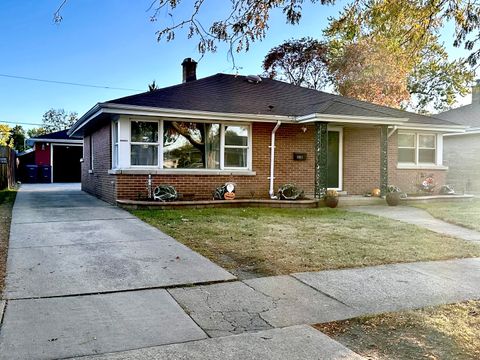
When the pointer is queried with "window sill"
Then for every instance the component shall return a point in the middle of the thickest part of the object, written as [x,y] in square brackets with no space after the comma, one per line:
[154,171]
[421,167]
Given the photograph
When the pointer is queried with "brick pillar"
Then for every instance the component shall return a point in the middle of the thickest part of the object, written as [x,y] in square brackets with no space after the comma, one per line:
[383,159]
[321,157]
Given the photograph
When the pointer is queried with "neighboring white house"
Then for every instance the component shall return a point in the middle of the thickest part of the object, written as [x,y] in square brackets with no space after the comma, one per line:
[462,151]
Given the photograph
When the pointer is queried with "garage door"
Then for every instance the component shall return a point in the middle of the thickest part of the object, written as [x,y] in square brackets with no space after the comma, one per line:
[66,163]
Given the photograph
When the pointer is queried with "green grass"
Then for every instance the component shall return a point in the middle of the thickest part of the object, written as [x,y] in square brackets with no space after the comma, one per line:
[267,241]
[7,198]
[463,213]
[441,332]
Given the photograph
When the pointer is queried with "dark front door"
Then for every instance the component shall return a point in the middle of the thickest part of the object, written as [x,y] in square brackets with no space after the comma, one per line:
[333,176]
[66,163]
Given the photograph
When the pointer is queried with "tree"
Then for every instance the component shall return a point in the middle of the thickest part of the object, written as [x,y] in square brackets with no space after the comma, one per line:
[17,134]
[247,20]
[33,132]
[405,30]
[153,86]
[368,71]
[5,138]
[301,62]
[57,120]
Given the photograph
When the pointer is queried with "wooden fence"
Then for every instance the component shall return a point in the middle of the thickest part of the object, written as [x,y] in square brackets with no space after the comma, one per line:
[8,165]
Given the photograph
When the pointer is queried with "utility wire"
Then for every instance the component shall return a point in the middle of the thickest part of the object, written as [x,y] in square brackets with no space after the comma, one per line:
[18,123]
[67,83]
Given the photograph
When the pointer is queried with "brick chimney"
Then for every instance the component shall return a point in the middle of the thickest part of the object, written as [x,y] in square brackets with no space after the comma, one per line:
[476,92]
[189,70]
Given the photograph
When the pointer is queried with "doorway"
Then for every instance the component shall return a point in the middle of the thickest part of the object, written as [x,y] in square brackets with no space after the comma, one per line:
[335,159]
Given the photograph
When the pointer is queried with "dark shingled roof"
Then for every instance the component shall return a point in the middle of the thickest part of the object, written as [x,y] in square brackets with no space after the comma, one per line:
[57,135]
[234,94]
[468,115]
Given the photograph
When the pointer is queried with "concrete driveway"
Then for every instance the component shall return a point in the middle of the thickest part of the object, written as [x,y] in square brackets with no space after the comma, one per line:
[65,242]
[75,268]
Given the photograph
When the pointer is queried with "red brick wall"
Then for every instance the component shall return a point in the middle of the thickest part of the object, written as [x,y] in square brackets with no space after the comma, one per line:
[99,182]
[362,164]
[42,157]
[361,160]
[361,168]
[289,139]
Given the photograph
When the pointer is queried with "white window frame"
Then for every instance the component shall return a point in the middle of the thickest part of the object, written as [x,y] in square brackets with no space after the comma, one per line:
[90,162]
[438,142]
[223,146]
[423,148]
[157,144]
[115,144]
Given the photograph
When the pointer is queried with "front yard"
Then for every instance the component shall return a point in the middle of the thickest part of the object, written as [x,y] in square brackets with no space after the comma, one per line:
[7,199]
[463,213]
[441,332]
[263,241]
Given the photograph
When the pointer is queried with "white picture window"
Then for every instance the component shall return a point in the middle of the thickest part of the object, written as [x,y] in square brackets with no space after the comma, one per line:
[417,149]
[172,145]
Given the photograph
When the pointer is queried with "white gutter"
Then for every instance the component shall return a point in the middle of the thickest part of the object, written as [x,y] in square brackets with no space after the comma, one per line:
[272,160]
[348,119]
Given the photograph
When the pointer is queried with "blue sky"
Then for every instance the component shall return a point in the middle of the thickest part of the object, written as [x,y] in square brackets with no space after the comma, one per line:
[113,43]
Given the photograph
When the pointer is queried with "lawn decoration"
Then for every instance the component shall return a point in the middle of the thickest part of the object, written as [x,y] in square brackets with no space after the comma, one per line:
[225,192]
[290,192]
[165,193]
[427,185]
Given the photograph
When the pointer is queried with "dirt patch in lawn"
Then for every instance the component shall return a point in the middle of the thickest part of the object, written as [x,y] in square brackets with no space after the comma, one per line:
[442,332]
[6,203]
[263,241]
[463,213]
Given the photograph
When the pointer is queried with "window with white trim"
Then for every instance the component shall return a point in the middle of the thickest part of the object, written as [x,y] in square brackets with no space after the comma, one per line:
[172,144]
[115,137]
[144,143]
[90,143]
[417,149]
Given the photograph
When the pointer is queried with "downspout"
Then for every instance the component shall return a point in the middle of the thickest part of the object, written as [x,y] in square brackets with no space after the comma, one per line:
[272,161]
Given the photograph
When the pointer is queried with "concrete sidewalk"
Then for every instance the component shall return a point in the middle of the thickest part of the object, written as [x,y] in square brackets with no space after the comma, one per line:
[317,297]
[420,218]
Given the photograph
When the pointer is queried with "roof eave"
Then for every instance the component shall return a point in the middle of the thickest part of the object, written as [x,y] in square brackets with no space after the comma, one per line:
[350,119]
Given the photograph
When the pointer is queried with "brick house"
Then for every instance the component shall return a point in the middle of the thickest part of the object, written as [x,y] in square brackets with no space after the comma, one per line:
[260,134]
[461,151]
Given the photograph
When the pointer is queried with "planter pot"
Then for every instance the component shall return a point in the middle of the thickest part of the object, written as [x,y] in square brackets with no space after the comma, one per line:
[331,202]
[393,198]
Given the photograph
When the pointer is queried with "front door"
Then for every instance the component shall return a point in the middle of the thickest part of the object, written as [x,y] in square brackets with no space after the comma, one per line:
[334,162]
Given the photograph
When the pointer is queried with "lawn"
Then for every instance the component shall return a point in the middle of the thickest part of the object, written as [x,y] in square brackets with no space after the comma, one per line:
[442,332]
[263,241]
[6,203]
[464,213]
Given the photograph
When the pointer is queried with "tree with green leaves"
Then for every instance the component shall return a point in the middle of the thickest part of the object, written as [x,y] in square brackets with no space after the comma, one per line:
[34,132]
[58,119]
[17,134]
[5,138]
[301,62]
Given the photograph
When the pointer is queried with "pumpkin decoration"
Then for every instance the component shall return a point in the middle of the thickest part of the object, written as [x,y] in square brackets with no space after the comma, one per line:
[229,195]
[376,192]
